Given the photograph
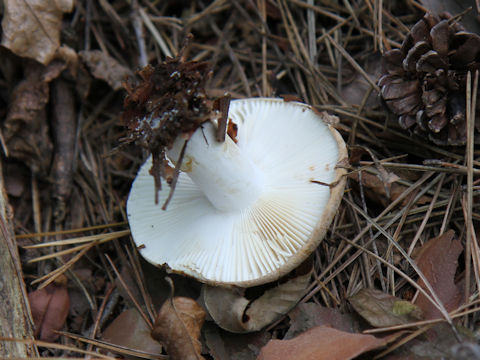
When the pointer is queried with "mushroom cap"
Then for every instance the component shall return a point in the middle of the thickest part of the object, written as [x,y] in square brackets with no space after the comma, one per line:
[292,145]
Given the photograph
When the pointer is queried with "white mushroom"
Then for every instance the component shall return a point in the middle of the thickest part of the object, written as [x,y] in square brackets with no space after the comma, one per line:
[249,212]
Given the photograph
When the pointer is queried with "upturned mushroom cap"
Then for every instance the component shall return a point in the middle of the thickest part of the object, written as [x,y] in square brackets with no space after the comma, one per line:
[296,151]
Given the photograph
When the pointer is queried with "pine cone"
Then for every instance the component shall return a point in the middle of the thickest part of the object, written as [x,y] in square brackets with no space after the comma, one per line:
[424,81]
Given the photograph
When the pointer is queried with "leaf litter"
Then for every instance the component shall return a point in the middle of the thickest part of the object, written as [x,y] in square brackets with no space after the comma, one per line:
[422,197]
[178,326]
[438,260]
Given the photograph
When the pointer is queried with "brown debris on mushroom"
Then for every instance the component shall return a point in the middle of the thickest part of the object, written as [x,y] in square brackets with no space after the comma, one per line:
[424,81]
[169,102]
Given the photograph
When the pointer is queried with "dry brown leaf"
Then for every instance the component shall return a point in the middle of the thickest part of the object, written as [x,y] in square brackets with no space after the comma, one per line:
[438,261]
[376,189]
[129,329]
[50,306]
[25,129]
[104,67]
[383,310]
[178,326]
[321,343]
[308,315]
[226,345]
[156,283]
[32,29]
[232,311]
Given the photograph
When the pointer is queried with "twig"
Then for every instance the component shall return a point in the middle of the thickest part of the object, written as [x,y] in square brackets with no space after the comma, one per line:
[156,35]
[470,118]
[139,34]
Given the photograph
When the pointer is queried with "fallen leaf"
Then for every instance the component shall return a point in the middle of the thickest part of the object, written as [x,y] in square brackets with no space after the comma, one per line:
[157,287]
[308,315]
[232,311]
[32,29]
[25,129]
[383,310]
[438,261]
[226,345]
[387,177]
[178,326]
[50,306]
[130,330]
[321,343]
[376,189]
[104,67]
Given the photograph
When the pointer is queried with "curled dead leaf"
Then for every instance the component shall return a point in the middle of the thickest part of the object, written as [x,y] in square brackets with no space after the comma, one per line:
[104,67]
[321,343]
[383,192]
[178,326]
[383,310]
[50,306]
[25,129]
[232,311]
[308,315]
[226,345]
[33,30]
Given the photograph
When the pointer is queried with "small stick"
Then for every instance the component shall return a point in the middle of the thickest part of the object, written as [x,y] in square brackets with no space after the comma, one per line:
[470,116]
[222,104]
[139,34]
[64,127]
[175,176]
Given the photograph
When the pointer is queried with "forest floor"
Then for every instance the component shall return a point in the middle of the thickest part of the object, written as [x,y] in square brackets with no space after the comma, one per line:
[398,273]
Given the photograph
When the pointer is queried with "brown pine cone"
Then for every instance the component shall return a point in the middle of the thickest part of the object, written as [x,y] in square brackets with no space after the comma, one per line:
[424,81]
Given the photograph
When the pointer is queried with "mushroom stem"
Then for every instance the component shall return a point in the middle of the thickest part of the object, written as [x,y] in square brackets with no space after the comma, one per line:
[229,179]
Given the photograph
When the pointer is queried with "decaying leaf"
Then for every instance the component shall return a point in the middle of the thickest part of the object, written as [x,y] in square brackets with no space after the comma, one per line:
[178,326]
[104,67]
[376,189]
[130,330]
[32,29]
[156,283]
[50,307]
[226,345]
[308,315]
[321,343]
[438,260]
[232,311]
[25,128]
[382,310]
